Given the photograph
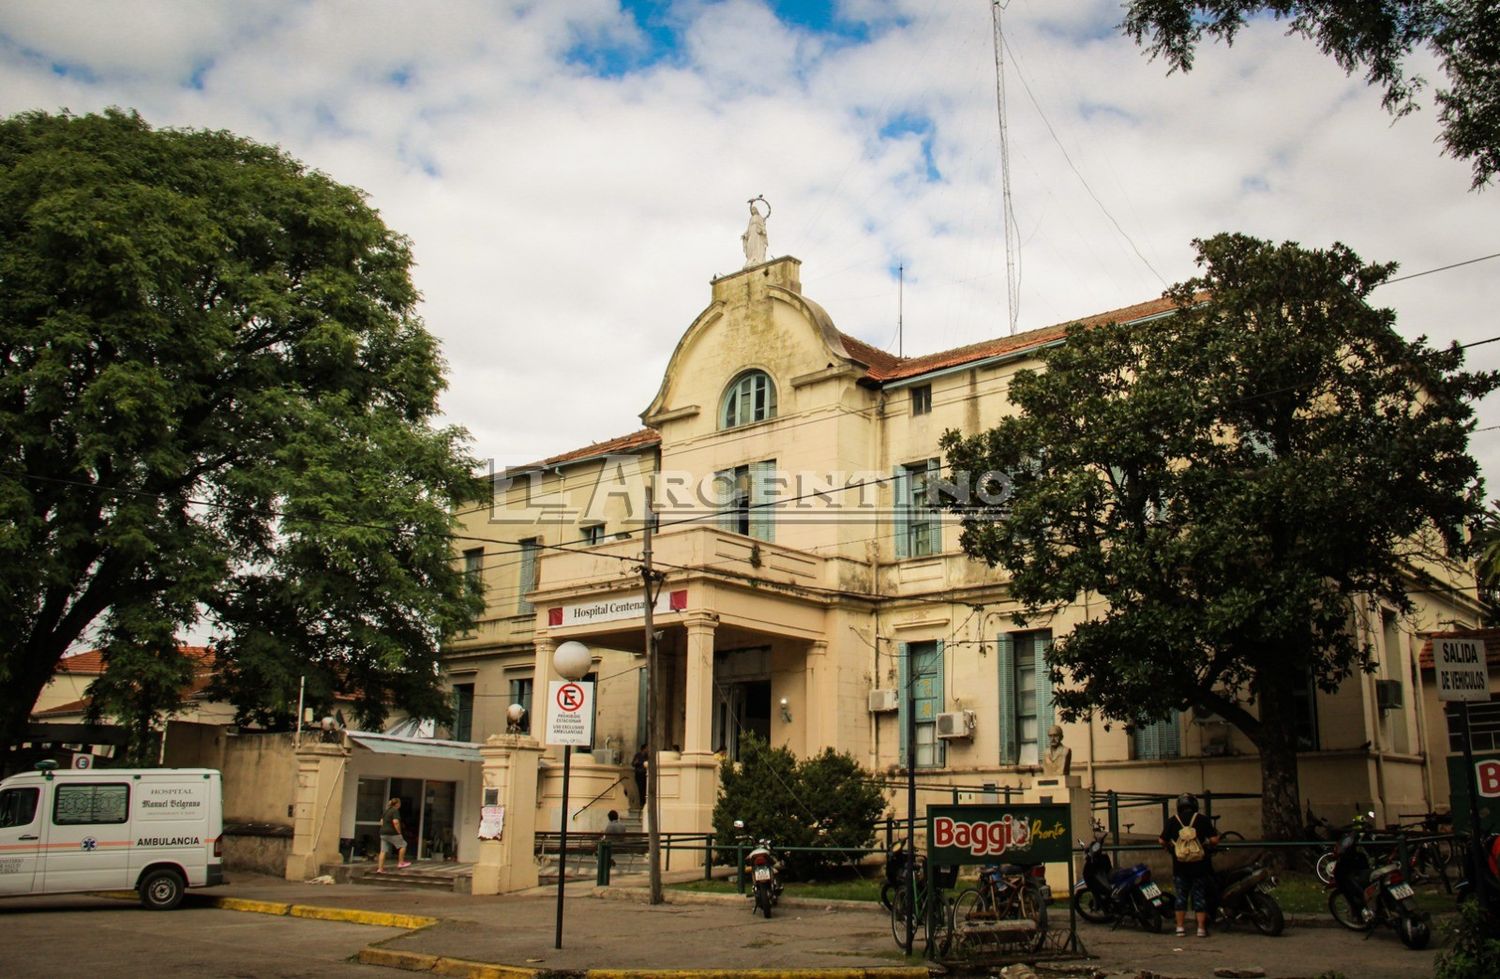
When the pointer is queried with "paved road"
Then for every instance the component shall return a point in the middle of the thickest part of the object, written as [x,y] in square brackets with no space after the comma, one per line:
[103,939]
[49,938]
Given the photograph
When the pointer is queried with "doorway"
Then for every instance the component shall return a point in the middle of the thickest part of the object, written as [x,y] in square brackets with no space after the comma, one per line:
[742,698]
[427,815]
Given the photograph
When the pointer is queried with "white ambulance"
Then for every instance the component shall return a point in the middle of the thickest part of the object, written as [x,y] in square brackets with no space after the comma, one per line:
[156,831]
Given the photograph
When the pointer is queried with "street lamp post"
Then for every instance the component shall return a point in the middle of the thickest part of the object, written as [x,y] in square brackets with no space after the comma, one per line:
[571,660]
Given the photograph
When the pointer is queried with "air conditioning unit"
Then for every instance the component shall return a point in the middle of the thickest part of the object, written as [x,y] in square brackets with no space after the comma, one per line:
[884,700]
[1388,694]
[956,724]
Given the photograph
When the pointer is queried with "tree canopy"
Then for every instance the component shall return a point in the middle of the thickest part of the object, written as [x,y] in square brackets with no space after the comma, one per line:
[1376,38]
[1228,478]
[217,406]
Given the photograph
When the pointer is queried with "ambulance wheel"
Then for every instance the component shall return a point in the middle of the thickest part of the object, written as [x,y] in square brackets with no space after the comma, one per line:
[161,890]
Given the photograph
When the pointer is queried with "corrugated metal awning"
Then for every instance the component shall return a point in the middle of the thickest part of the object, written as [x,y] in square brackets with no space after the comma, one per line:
[386,744]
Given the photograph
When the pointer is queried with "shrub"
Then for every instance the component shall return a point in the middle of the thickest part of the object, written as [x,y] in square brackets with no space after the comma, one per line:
[823,801]
[1475,952]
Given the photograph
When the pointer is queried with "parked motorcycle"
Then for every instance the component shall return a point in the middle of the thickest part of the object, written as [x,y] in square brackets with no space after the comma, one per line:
[1105,895]
[765,874]
[1363,897]
[1244,893]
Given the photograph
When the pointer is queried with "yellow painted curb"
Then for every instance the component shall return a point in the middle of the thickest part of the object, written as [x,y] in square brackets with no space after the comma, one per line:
[394,959]
[464,969]
[250,904]
[380,919]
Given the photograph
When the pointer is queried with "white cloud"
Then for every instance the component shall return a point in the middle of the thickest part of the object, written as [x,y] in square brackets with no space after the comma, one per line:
[566,223]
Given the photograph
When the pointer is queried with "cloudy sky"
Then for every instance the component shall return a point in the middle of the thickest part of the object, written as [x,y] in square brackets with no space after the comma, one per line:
[574,172]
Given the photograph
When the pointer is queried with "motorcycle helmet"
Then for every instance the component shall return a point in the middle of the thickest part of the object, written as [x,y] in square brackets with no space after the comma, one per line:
[1187,806]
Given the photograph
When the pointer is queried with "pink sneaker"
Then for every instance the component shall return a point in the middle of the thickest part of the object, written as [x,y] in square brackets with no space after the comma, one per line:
[403,866]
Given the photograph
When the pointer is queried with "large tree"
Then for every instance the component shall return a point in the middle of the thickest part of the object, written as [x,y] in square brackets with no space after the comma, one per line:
[216,407]
[1229,478]
[1377,37]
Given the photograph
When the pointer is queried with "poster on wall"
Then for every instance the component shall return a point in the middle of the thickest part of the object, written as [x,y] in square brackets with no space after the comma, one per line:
[491,822]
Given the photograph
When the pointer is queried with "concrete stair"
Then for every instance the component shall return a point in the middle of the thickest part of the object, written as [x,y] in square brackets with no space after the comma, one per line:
[438,875]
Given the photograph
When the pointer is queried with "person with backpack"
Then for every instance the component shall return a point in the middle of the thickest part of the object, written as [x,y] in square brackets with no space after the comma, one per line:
[1189,834]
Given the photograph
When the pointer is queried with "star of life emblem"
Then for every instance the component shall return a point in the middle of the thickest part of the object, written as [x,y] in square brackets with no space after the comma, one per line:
[89,843]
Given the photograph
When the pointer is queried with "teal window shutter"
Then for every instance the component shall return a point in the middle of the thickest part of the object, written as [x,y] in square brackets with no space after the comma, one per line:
[904,687]
[1043,688]
[1010,748]
[1170,743]
[901,500]
[940,747]
[934,516]
[724,496]
[529,550]
[762,518]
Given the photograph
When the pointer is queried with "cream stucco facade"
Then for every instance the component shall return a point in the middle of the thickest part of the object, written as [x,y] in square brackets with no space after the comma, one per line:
[804,600]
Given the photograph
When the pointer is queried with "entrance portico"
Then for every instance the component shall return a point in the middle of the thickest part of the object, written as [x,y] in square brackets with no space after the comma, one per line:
[733,658]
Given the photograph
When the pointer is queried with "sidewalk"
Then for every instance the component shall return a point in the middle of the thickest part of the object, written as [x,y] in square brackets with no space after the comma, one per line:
[616,929]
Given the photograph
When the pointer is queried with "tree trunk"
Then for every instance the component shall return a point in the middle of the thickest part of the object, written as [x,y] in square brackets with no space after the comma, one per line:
[1280,803]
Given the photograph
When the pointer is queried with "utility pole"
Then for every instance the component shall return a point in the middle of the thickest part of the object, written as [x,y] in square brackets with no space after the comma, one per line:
[651,579]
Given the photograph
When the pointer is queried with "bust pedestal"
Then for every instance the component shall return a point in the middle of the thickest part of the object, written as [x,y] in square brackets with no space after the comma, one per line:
[1063,790]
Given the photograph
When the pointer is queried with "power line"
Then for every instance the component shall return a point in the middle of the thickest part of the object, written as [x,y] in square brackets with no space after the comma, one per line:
[1441,268]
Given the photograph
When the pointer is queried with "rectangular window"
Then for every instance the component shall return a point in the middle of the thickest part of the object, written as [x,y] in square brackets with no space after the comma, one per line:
[529,550]
[474,563]
[746,497]
[1305,705]
[18,806]
[922,692]
[1484,726]
[77,805]
[919,524]
[463,712]
[592,533]
[1025,695]
[1159,739]
[520,693]
[921,399]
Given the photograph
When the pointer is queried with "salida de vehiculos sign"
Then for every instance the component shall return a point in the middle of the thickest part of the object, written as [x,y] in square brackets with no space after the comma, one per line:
[998,834]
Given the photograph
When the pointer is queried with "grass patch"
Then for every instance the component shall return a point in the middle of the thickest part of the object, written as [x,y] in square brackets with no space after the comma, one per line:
[1306,894]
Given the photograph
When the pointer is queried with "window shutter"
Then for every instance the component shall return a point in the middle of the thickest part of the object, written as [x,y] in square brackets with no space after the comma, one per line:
[940,700]
[903,659]
[1043,688]
[528,575]
[762,518]
[1010,748]
[934,516]
[901,499]
[1170,742]
[723,494]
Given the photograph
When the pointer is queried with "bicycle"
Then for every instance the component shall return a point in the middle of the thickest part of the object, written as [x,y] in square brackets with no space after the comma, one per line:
[1429,858]
[931,911]
[1008,906]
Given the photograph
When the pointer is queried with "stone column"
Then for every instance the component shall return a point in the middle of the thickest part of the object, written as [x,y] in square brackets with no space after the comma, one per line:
[698,693]
[510,767]
[820,707]
[317,808]
[541,674]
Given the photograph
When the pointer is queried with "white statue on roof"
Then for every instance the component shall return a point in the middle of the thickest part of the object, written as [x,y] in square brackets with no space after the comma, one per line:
[754,238]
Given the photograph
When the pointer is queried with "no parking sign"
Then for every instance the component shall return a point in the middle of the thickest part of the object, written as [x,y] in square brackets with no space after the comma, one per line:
[570,714]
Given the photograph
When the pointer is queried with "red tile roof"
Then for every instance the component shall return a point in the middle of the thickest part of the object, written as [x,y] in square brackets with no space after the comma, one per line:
[624,443]
[91,661]
[1490,637]
[882,366]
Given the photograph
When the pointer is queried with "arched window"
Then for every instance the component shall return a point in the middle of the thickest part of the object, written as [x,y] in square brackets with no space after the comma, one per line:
[751,397]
